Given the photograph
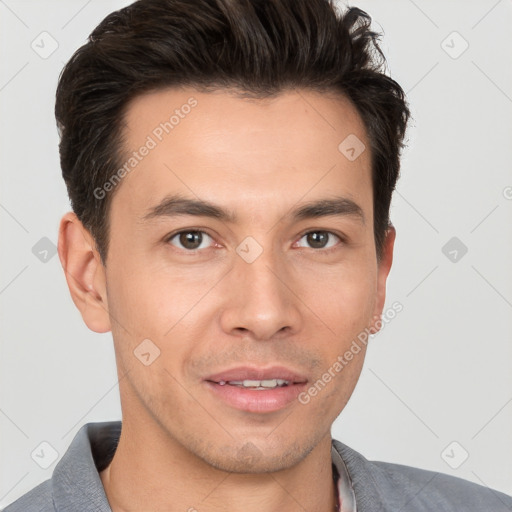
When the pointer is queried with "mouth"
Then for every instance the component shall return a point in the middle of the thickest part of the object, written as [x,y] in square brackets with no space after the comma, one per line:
[256,384]
[257,389]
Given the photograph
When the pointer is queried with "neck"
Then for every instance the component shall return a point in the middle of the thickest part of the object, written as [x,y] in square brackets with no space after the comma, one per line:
[151,471]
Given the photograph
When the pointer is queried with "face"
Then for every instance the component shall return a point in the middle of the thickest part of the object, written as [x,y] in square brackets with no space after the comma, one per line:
[255,288]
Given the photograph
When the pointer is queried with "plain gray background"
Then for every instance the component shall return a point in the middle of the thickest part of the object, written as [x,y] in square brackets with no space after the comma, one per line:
[436,390]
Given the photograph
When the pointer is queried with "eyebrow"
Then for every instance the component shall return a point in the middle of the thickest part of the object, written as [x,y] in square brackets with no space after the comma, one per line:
[176,205]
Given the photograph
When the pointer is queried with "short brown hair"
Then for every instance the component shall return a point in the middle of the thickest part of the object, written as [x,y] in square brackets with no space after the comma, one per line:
[258,47]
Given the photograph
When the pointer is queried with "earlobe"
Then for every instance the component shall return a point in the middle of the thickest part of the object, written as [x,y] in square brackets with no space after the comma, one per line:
[84,272]
[384,266]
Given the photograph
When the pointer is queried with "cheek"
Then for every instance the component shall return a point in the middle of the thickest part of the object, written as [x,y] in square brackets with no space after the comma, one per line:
[343,297]
[151,299]
[162,304]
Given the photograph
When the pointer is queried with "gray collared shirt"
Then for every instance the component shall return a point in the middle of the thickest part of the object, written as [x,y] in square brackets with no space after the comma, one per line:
[76,486]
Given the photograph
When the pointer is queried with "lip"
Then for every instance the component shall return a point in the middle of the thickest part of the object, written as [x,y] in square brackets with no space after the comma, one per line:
[257,400]
[254,373]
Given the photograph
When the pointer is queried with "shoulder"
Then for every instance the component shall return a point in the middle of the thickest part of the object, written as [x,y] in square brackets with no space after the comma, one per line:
[385,486]
[39,499]
[75,484]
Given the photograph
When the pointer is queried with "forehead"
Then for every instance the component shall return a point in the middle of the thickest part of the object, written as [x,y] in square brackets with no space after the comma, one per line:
[251,153]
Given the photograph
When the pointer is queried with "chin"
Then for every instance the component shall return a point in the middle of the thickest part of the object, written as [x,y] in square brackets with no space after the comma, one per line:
[248,458]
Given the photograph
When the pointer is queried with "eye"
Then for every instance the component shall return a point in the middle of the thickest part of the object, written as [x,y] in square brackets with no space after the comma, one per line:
[320,239]
[190,240]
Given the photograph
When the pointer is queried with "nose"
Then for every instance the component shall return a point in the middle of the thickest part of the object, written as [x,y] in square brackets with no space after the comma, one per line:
[259,299]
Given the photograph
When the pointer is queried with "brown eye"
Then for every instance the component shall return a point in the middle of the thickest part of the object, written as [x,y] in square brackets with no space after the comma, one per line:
[320,239]
[190,240]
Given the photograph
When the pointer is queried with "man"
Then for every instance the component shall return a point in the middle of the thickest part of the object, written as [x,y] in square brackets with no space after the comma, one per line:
[230,166]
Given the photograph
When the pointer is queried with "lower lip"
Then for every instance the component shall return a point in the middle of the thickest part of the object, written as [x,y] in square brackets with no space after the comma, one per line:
[257,400]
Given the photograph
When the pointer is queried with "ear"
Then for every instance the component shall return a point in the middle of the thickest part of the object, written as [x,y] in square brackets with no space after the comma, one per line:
[384,266]
[85,274]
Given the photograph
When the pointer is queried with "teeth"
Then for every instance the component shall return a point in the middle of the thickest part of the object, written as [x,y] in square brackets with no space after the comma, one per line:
[258,384]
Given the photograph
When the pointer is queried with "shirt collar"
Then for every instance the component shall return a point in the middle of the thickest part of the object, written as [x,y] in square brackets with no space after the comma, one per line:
[76,483]
[346,496]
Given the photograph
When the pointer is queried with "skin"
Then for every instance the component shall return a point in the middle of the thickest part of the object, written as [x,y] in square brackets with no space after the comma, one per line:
[296,305]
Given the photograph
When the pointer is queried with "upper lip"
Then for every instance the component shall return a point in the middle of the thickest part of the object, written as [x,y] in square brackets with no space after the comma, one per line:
[253,373]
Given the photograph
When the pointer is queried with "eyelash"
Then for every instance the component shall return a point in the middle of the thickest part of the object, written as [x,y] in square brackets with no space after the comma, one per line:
[320,251]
